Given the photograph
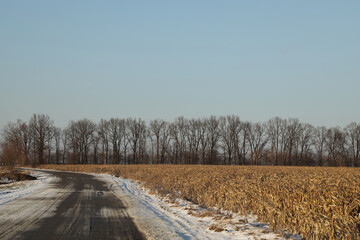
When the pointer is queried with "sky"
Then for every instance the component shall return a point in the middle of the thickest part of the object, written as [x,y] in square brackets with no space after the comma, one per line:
[163,59]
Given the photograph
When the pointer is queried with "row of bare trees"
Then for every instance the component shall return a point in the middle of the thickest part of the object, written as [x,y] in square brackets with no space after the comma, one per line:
[214,140]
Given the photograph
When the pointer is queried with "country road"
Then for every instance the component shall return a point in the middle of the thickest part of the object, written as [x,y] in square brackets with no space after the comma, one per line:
[76,206]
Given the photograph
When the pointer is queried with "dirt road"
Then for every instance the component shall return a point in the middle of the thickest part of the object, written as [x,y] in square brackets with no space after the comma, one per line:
[78,206]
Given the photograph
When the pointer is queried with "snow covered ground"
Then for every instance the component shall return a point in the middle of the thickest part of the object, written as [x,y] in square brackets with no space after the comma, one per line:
[14,190]
[179,219]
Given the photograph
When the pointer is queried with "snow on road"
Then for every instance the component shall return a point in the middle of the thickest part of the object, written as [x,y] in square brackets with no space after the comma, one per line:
[14,190]
[170,218]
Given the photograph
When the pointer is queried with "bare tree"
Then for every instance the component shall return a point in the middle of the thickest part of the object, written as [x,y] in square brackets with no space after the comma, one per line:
[86,129]
[49,139]
[292,133]
[230,130]
[192,131]
[352,132]
[17,137]
[178,136]
[13,151]
[319,142]
[116,135]
[9,154]
[57,139]
[137,137]
[126,143]
[165,151]
[95,148]
[65,136]
[103,133]
[213,130]
[335,145]
[241,143]
[41,127]
[25,140]
[204,140]
[156,130]
[257,141]
[81,134]
[306,135]
[276,130]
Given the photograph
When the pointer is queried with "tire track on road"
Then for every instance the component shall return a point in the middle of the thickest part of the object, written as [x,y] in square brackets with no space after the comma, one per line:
[78,206]
[18,216]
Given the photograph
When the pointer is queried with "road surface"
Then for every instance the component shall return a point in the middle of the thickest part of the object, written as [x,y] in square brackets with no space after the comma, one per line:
[77,206]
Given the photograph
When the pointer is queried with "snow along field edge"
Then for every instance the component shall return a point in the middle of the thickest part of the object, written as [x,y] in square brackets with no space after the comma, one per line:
[162,218]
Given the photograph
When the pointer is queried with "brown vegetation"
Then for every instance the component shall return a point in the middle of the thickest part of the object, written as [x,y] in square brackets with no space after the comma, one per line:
[318,203]
[12,175]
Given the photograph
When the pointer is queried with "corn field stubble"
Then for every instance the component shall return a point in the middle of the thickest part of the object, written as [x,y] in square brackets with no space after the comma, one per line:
[318,203]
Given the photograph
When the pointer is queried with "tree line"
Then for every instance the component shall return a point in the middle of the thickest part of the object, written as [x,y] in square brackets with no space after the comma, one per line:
[213,140]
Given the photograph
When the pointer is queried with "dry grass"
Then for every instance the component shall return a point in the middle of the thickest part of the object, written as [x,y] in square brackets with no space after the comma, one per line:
[318,203]
[216,228]
[8,175]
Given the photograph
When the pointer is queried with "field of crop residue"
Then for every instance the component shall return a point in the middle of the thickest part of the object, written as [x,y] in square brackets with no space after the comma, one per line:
[318,203]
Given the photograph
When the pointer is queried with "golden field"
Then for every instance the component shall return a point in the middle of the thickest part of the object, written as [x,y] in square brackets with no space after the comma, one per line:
[318,203]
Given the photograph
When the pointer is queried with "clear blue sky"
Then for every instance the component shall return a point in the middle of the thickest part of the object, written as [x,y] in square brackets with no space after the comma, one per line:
[163,59]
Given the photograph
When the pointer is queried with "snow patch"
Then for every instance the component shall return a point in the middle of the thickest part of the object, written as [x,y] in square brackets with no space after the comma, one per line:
[14,190]
[5,180]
